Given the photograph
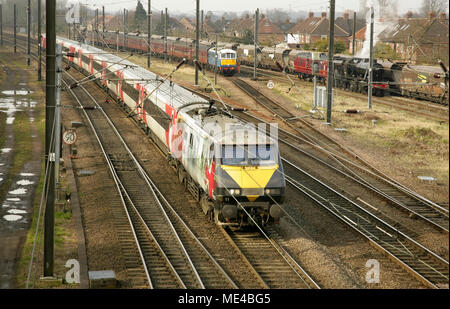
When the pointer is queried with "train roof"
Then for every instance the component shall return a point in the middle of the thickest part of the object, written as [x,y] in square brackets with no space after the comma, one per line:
[222,50]
[247,46]
[230,131]
[424,69]
[179,98]
[173,94]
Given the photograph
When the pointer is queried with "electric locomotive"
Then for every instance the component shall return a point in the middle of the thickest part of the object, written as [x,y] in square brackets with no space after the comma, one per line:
[226,60]
[233,170]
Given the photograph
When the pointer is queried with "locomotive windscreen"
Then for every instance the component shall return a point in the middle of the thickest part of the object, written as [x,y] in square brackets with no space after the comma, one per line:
[249,155]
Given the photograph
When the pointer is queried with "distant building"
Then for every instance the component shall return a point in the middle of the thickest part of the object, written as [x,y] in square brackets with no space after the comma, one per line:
[268,32]
[419,39]
[316,28]
[360,37]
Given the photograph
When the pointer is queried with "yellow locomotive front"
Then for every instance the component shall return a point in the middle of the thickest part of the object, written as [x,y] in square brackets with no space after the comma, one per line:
[249,183]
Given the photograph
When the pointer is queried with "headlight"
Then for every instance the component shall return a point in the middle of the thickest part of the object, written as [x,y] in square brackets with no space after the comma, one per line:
[235,191]
[273,191]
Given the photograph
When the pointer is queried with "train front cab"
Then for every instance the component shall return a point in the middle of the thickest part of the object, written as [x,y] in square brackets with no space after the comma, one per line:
[227,63]
[252,177]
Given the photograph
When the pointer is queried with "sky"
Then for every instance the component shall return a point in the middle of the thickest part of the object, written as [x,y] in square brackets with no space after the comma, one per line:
[188,6]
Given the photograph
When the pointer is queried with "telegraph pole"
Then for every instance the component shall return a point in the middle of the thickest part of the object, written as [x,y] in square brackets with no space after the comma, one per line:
[255,39]
[165,37]
[124,10]
[369,90]
[126,19]
[15,34]
[39,42]
[149,32]
[354,33]
[96,26]
[1,25]
[215,68]
[28,32]
[197,38]
[50,103]
[103,25]
[57,136]
[330,62]
[201,24]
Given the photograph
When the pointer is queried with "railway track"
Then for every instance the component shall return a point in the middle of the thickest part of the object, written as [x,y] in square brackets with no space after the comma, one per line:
[285,264]
[275,269]
[350,165]
[170,253]
[166,274]
[428,267]
[424,264]
[430,110]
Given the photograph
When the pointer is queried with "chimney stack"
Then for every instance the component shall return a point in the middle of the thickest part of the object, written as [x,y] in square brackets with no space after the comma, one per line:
[431,15]
[346,15]
[409,15]
[311,15]
[324,14]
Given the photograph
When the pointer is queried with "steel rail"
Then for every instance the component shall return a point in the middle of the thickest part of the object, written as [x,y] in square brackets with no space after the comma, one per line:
[370,221]
[316,142]
[117,184]
[154,188]
[440,211]
[423,248]
[140,169]
[272,74]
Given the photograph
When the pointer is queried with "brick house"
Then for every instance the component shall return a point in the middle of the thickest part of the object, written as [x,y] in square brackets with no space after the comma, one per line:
[419,39]
[316,28]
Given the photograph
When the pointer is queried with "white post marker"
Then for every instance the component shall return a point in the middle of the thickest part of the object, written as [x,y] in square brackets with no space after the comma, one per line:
[270,84]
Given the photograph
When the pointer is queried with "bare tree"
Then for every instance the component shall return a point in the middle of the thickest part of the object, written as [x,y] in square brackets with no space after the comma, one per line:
[436,6]
[277,15]
[362,9]
[388,7]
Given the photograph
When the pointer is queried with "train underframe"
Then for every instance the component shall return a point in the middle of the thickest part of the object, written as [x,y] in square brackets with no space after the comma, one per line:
[360,86]
[225,210]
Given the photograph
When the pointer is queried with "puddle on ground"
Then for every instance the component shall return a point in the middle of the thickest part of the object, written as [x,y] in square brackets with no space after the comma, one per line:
[26,174]
[19,191]
[13,199]
[25,182]
[11,105]
[17,92]
[17,211]
[12,218]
